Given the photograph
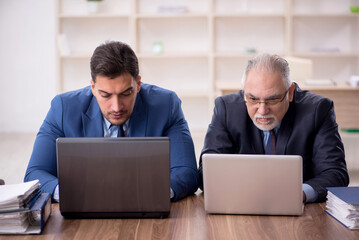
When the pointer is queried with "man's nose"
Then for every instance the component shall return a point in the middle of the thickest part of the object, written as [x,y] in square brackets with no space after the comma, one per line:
[116,104]
[263,108]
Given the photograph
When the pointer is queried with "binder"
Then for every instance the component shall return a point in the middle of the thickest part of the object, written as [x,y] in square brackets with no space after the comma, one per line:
[343,205]
[30,221]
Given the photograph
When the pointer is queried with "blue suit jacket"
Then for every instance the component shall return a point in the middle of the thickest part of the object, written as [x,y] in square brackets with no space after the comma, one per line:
[308,129]
[157,112]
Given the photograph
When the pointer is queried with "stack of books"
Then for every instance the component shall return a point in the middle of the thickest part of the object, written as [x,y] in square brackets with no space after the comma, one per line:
[343,204]
[23,209]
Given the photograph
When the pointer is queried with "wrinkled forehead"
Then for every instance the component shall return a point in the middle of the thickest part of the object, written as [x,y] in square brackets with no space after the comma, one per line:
[262,82]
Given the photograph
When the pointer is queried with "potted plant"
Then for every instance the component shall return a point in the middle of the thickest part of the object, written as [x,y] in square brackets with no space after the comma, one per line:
[354,6]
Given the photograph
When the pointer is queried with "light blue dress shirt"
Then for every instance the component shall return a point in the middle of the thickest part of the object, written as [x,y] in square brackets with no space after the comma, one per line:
[112,130]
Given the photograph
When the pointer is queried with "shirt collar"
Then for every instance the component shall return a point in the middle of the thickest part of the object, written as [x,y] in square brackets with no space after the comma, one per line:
[107,123]
[276,129]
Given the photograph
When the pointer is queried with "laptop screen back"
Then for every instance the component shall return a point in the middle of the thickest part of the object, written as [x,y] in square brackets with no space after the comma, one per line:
[252,184]
[114,177]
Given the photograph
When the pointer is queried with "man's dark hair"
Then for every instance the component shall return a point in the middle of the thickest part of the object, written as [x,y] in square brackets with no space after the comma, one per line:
[113,59]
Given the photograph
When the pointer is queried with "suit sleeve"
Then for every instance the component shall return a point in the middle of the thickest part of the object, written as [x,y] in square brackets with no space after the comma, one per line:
[184,176]
[42,164]
[218,139]
[329,167]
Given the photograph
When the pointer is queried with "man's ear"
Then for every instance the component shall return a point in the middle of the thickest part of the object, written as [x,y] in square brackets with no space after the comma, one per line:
[138,83]
[92,87]
[291,92]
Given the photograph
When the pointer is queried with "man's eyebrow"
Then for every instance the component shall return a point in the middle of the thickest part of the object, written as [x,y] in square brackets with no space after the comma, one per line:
[124,91]
[251,95]
[102,91]
[269,97]
[276,95]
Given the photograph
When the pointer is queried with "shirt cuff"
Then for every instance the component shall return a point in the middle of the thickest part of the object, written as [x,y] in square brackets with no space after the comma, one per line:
[56,196]
[310,194]
[172,193]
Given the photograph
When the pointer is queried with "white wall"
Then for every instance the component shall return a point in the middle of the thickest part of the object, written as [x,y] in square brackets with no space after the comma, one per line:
[27,63]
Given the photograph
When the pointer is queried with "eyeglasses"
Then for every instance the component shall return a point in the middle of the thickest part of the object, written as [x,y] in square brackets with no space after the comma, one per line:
[271,101]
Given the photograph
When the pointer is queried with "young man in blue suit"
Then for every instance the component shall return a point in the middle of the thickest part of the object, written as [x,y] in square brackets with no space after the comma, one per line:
[270,109]
[115,101]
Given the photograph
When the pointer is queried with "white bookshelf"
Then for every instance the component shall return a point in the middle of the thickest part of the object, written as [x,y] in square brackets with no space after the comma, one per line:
[207,43]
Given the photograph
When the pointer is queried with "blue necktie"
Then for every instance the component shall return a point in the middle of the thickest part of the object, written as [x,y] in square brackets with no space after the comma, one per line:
[120,132]
[111,131]
[270,146]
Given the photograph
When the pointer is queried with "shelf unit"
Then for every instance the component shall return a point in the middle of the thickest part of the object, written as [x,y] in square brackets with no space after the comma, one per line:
[207,43]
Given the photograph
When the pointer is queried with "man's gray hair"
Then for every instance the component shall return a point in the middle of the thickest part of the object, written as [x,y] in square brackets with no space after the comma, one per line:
[269,63]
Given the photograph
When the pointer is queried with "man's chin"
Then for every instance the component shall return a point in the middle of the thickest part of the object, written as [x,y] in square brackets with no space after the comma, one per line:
[265,127]
[117,121]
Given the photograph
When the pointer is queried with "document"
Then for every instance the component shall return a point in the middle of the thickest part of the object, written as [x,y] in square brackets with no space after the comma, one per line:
[18,196]
[28,221]
[343,204]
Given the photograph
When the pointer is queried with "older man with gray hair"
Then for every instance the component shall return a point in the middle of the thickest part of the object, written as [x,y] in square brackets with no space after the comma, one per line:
[272,115]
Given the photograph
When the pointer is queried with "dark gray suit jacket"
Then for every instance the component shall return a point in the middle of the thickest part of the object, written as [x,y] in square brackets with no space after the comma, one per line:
[308,129]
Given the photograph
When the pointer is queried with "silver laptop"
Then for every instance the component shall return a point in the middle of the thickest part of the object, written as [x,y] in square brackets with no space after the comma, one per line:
[114,177]
[252,184]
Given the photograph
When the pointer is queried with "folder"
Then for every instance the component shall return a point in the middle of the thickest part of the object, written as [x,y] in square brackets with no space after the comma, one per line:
[29,221]
[343,205]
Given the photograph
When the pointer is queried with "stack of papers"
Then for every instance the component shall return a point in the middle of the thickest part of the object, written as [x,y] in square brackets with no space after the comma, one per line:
[21,207]
[343,204]
[18,196]
[29,221]
[13,222]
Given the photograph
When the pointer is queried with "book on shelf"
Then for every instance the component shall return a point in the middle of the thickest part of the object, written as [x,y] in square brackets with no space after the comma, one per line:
[343,205]
[23,209]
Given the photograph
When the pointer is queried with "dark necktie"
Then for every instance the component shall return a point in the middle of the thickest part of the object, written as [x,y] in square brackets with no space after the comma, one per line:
[270,147]
[120,132]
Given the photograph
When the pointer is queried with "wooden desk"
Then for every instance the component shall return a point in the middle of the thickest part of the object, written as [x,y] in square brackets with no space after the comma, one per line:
[188,220]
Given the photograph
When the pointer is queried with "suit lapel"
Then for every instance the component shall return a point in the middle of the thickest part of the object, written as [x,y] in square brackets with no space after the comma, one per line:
[92,120]
[138,120]
[285,131]
[256,139]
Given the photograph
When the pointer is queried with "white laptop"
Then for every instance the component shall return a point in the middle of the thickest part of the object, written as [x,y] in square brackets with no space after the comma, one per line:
[252,184]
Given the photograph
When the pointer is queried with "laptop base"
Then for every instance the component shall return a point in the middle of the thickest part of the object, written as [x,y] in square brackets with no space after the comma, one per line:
[74,215]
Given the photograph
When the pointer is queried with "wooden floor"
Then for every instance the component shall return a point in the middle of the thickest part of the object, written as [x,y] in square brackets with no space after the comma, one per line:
[16,148]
